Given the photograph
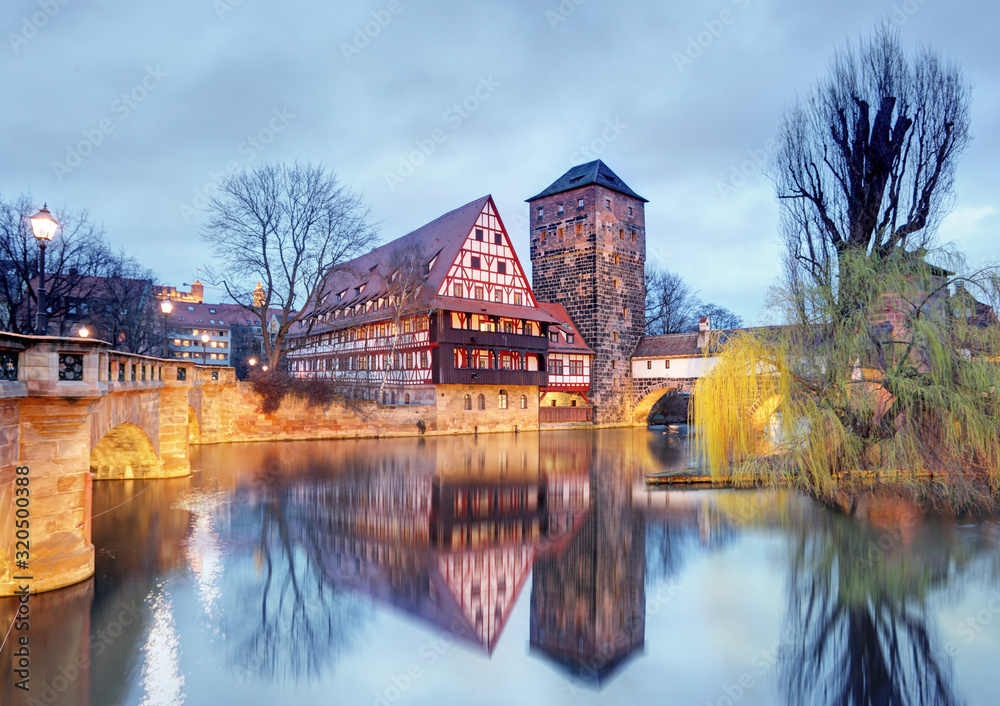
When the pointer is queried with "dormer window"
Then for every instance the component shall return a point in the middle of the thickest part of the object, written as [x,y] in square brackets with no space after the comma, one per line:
[211,311]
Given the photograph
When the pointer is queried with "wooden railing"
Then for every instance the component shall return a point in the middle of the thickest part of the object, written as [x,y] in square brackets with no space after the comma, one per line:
[565,414]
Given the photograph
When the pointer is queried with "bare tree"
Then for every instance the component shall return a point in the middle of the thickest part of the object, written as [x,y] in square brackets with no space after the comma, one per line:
[719,316]
[671,304]
[125,310]
[866,163]
[407,268]
[288,227]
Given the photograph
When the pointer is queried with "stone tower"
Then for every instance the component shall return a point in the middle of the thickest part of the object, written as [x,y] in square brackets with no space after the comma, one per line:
[588,253]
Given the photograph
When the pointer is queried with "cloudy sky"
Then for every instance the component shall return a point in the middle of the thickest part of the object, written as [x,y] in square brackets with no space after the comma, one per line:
[132,110]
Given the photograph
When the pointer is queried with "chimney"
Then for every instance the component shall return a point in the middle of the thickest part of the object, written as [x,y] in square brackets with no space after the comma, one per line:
[704,331]
[198,291]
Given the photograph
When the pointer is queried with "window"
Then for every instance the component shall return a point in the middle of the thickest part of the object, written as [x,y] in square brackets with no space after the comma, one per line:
[468,402]
[624,312]
[607,203]
[456,290]
[616,258]
[614,335]
[576,367]
[423,359]
[479,292]
[474,262]
[666,364]
[630,210]
[633,236]
[482,402]
[479,233]
[498,296]
[557,366]
[649,365]
[615,283]
[524,401]
[409,361]
[541,211]
[570,337]
[502,268]
[211,311]
[406,400]
[190,308]
[517,298]
[560,209]
[579,203]
[554,336]
[579,229]
[498,238]
[502,401]
[614,364]
[621,234]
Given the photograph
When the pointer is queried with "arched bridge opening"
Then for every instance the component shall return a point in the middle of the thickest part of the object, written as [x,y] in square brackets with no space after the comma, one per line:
[124,452]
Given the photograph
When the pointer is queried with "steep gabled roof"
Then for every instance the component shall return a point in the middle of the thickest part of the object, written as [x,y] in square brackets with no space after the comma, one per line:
[434,247]
[596,172]
[566,325]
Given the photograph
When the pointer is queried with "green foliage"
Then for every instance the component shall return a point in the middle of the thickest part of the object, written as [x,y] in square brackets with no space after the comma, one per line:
[839,398]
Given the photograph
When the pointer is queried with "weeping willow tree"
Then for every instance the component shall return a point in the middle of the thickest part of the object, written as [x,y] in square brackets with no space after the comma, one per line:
[878,368]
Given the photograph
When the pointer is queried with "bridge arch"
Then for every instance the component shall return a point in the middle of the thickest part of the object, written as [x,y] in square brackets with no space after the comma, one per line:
[646,396]
[125,451]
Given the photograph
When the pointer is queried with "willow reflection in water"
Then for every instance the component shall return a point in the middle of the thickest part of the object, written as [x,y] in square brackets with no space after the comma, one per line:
[276,564]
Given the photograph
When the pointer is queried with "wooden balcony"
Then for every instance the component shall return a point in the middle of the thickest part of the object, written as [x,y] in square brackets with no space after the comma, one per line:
[565,414]
[469,338]
[484,376]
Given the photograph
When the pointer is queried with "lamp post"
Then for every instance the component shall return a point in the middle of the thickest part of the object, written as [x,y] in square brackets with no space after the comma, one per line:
[204,349]
[166,307]
[44,226]
[84,332]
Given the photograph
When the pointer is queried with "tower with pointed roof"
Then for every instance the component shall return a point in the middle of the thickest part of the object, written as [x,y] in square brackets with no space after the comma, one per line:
[588,253]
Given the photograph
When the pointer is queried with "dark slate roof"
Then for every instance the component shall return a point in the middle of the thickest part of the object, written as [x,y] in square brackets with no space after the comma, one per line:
[596,172]
[667,346]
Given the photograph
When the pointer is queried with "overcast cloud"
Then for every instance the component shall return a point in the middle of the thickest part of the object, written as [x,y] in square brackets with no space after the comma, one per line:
[163,96]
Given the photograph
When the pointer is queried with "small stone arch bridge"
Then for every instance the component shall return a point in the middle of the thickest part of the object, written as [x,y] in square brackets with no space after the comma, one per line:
[71,411]
[646,392]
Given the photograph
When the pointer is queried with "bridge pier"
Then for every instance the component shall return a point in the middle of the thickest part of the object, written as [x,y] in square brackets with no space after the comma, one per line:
[71,409]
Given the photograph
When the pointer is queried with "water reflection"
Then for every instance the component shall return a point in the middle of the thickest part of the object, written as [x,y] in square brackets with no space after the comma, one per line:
[276,562]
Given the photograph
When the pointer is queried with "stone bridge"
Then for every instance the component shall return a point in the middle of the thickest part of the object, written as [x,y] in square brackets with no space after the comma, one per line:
[72,411]
[646,391]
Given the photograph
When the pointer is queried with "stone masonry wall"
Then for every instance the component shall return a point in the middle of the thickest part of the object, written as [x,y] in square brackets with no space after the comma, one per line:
[598,275]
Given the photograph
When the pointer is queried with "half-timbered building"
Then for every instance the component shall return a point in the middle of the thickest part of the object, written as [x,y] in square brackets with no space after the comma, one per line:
[448,304]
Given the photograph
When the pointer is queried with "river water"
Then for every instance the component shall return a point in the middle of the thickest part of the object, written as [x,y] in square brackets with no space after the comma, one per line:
[535,568]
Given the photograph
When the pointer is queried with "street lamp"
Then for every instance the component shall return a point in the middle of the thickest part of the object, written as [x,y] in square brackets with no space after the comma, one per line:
[166,307]
[84,332]
[44,226]
[252,361]
[204,348]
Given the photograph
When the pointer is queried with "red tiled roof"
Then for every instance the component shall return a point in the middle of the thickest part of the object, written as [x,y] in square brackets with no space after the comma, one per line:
[559,313]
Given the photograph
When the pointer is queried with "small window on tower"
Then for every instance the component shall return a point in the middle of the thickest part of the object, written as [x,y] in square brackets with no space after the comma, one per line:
[621,233]
[614,337]
[607,203]
[633,236]
[579,229]
[630,210]
[579,203]
[560,210]
[625,312]
[616,258]
[541,211]
[474,262]
[479,233]
[616,283]
[502,268]
[560,232]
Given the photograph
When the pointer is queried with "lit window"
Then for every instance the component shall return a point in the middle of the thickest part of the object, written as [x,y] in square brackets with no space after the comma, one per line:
[554,336]
[468,402]
[479,292]
[579,229]
[614,337]
[498,296]
[524,401]
[621,234]
[560,232]
[616,258]
[482,402]
[633,236]
[503,399]
[569,338]
[456,290]
[517,299]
